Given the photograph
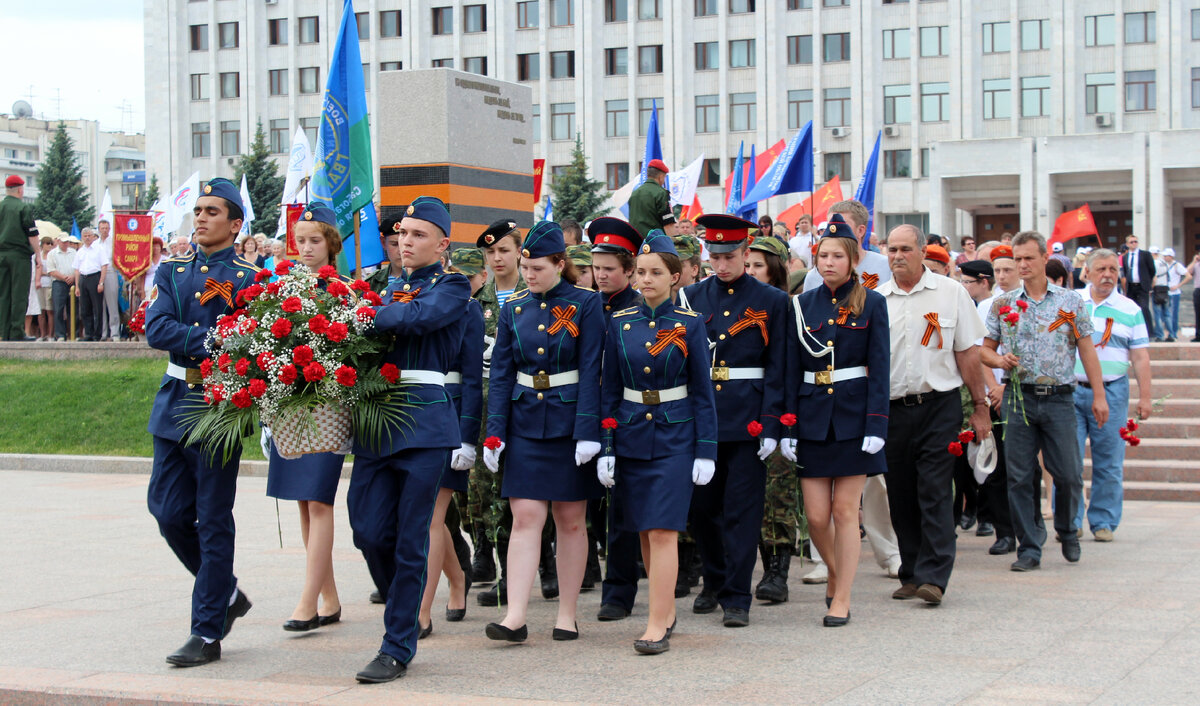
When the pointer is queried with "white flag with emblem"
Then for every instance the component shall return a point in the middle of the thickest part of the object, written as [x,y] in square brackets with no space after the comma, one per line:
[299,171]
[182,202]
[684,182]
[247,208]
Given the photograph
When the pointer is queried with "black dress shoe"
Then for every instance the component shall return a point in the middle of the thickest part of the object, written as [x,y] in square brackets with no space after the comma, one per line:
[425,631]
[828,601]
[966,522]
[496,595]
[1026,563]
[611,611]
[496,631]
[241,606]
[736,618]
[985,529]
[303,625]
[455,615]
[566,635]
[1070,547]
[652,647]
[833,621]
[671,630]
[331,619]
[195,652]
[383,668]
[1003,545]
[705,603]
[377,598]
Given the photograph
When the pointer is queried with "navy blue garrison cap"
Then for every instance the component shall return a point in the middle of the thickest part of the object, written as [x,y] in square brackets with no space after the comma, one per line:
[430,208]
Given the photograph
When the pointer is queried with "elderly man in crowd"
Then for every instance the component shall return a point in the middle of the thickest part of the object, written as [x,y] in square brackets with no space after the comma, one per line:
[112,286]
[91,269]
[60,263]
[1121,342]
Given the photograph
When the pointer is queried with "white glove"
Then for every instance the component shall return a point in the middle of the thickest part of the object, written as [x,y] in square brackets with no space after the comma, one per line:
[766,447]
[264,441]
[606,471]
[463,458]
[491,458]
[787,447]
[703,470]
[585,451]
[872,444]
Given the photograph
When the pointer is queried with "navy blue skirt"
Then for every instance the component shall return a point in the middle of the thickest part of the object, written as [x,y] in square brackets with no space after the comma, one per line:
[544,469]
[654,494]
[310,477]
[454,480]
[837,459]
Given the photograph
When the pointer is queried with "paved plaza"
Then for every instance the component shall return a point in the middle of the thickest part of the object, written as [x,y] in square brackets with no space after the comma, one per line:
[91,601]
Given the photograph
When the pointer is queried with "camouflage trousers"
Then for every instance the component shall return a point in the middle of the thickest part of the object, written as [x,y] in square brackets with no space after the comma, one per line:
[783,509]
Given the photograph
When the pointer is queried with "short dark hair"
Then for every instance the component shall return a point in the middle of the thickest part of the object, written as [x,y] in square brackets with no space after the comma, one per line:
[1030,236]
[653,172]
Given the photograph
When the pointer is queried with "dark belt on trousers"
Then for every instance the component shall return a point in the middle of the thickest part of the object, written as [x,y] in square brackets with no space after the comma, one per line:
[923,397]
[1045,390]
[1088,385]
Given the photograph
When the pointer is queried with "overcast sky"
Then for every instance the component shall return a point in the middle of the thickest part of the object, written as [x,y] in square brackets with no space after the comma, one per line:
[79,58]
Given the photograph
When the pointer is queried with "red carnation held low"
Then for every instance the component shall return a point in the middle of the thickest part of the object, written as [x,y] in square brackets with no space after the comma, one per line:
[609,423]
[788,420]
[206,367]
[223,362]
[754,428]
[955,448]
[966,437]
[390,373]
[365,312]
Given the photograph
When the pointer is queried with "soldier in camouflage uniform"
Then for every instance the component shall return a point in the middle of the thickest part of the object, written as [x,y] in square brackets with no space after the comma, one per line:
[690,566]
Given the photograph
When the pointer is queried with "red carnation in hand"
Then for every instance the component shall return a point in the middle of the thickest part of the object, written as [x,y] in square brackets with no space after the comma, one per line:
[608,423]
[327,272]
[281,328]
[346,376]
[257,388]
[1013,318]
[223,362]
[291,305]
[754,428]
[1022,304]
[492,442]
[265,359]
[390,373]
[967,436]
[365,312]
[788,420]
[314,372]
[287,374]
[955,448]
[302,355]
[242,366]
[337,288]
[1134,441]
[284,267]
[206,367]
[241,399]
[337,332]
[360,285]
[1131,425]
[262,275]
[373,298]
[318,324]
[1004,310]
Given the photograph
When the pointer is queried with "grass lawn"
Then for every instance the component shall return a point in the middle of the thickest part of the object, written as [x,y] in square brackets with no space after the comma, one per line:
[89,407]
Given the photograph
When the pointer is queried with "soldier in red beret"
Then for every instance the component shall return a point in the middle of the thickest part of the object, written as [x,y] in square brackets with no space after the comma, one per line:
[18,241]
[650,204]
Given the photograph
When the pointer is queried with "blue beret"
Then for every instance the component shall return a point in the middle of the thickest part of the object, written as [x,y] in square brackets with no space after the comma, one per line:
[658,241]
[430,208]
[319,212]
[545,238]
[724,233]
[227,190]
[839,228]
[613,235]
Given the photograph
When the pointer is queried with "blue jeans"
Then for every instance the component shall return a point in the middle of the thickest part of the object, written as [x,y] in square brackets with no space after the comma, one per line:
[1108,454]
[1173,301]
[1162,319]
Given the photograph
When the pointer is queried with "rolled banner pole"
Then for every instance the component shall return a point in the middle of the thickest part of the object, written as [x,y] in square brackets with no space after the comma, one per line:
[72,308]
[357,245]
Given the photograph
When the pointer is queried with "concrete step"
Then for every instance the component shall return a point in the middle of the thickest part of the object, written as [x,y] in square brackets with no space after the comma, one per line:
[1174,492]
[1164,426]
[1141,470]
[78,350]
[1177,450]
[1183,350]
[1171,407]
[1162,371]
[1169,388]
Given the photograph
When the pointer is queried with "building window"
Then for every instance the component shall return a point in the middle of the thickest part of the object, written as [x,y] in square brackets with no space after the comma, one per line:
[897,164]
[1100,30]
[1035,96]
[389,24]
[706,8]
[199,39]
[996,38]
[711,174]
[279,135]
[310,30]
[474,18]
[309,126]
[649,9]
[650,59]
[277,32]
[527,14]
[799,4]
[646,107]
[997,99]
[837,107]
[562,13]
[391,65]
[442,63]
[742,112]
[616,10]
[837,47]
[837,164]
[897,104]
[231,137]
[741,53]
[935,41]
[1195,24]
[737,7]
[935,102]
[1195,84]
[443,20]
[835,3]
[706,56]
[1035,35]
[925,159]
[1139,91]
[230,87]
[562,64]
[895,43]
[529,67]
[616,118]
[799,49]
[616,61]
[278,82]
[536,120]
[310,79]
[199,87]
[475,65]
[708,117]
[800,108]
[363,19]
[562,121]
[617,175]
[200,140]
[227,35]
[1100,93]
[1139,27]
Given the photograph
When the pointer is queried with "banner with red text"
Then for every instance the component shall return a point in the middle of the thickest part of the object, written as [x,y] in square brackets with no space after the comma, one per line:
[131,243]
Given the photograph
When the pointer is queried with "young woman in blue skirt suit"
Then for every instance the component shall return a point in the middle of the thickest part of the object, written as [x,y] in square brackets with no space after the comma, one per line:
[543,414]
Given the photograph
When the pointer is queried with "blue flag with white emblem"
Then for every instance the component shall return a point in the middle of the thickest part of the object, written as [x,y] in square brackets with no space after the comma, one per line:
[791,172]
[866,187]
[750,208]
[734,207]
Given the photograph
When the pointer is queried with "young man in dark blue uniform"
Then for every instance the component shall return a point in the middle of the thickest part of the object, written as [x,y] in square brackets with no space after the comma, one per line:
[746,322]
[191,491]
[395,483]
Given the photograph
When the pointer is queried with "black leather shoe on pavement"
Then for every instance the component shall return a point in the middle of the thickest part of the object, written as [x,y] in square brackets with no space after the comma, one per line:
[985,529]
[966,522]
[383,668]
[1003,545]
[833,621]
[303,625]
[611,611]
[736,618]
[425,631]
[336,617]
[377,598]
[1070,547]
[652,647]
[241,606]
[195,652]
[705,603]
[1026,563]
[496,631]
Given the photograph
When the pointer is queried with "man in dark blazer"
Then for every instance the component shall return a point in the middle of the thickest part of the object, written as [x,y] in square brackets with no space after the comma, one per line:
[1137,276]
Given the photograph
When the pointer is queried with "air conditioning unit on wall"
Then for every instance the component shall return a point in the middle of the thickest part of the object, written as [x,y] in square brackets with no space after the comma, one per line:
[890,130]
[1104,120]
[841,131]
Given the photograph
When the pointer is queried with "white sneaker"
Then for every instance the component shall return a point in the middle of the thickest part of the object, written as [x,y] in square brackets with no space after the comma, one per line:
[819,574]
[893,568]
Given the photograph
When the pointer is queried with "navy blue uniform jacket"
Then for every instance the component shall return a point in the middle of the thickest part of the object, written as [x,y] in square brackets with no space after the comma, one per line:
[468,395]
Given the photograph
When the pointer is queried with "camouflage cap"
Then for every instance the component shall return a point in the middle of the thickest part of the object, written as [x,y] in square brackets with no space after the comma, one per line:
[580,255]
[468,261]
[688,246]
[771,244]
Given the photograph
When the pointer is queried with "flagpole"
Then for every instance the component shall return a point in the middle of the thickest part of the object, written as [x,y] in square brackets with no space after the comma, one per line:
[357,245]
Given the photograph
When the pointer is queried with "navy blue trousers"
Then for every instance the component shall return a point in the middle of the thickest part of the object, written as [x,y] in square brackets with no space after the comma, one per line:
[390,501]
[726,517]
[191,495]
[620,565]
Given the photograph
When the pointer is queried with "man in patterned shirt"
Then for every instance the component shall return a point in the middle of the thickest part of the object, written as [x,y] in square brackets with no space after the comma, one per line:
[1042,326]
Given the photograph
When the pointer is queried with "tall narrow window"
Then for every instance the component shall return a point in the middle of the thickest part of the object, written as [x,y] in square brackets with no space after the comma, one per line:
[896,43]
[837,107]
[529,67]
[897,104]
[997,99]
[201,140]
[474,18]
[742,112]
[200,87]
[230,86]
[616,61]
[646,108]
[616,118]
[708,114]
[527,14]
[1139,27]
[280,139]
[935,102]
[1099,30]
[443,20]
[650,59]
[277,32]
[310,30]
[996,38]
[310,79]
[278,80]
[800,108]
[1035,96]
[741,53]
[227,34]
[706,56]
[231,137]
[198,36]
[562,121]
[1100,93]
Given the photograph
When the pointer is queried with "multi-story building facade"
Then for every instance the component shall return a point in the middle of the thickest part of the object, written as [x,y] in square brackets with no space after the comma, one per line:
[995,115]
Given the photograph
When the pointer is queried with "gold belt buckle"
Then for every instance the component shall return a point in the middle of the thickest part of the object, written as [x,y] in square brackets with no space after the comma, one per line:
[193,376]
[650,397]
[720,374]
[824,377]
[541,381]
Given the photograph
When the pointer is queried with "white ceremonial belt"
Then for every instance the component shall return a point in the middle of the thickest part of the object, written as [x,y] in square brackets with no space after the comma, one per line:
[423,377]
[542,381]
[656,396]
[828,377]
[453,378]
[191,376]
[721,373]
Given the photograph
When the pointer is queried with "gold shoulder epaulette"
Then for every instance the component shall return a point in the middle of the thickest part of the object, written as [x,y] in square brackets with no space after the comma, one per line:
[685,312]
[240,262]
[519,294]
[191,255]
[623,312]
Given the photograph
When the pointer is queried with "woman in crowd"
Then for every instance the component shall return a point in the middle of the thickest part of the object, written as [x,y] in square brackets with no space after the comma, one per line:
[250,252]
[766,261]
[543,410]
[44,325]
[660,424]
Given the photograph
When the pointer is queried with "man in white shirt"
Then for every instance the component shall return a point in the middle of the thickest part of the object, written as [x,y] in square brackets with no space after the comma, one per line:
[1176,275]
[60,264]
[91,268]
[802,242]
[112,287]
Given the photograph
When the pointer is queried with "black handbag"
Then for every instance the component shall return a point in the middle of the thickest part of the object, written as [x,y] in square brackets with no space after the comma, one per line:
[1160,294]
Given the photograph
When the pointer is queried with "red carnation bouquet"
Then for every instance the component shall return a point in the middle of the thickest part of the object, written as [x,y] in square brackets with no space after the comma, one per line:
[297,354]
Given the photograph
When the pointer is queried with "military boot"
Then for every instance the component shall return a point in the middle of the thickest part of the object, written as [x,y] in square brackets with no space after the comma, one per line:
[483,568]
[548,569]
[773,587]
[498,593]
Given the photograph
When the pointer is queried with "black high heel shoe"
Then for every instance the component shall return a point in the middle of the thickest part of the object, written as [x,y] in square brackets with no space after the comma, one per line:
[565,635]
[671,630]
[496,631]
[303,625]
[828,601]
[331,619]
[455,615]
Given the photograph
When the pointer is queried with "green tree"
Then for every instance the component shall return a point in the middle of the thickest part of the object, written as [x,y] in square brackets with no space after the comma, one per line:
[262,181]
[576,195]
[152,194]
[61,193]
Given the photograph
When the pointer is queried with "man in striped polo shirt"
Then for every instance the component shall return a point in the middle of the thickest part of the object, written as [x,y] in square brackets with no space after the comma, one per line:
[1121,341]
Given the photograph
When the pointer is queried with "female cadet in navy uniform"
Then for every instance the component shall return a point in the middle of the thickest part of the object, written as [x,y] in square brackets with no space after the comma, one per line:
[660,424]
[543,408]
[394,485]
[844,355]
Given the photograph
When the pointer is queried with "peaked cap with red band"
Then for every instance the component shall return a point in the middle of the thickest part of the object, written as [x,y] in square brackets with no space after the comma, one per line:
[613,236]
[724,233]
